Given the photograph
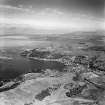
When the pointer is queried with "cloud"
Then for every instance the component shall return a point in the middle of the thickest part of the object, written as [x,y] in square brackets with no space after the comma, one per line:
[12,8]
[48,18]
[29,10]
[50,12]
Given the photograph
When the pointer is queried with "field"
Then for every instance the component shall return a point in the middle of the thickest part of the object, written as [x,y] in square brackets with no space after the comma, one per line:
[52,69]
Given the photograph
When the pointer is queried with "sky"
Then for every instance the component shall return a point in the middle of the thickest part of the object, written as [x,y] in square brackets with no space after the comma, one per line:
[54,14]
